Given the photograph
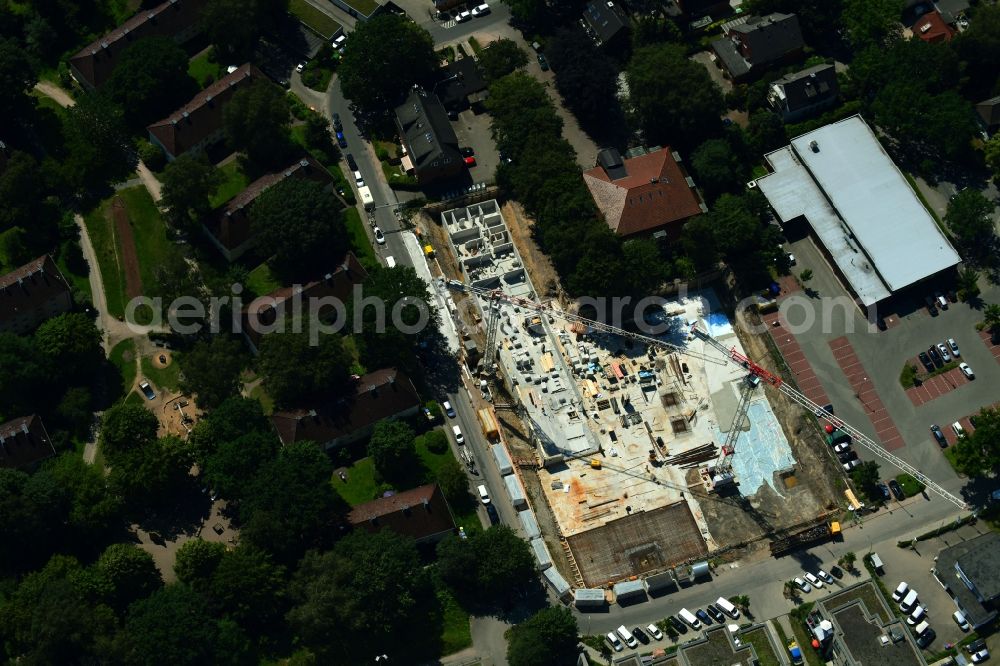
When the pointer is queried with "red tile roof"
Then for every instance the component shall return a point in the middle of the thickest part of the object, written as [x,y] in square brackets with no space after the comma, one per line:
[931,28]
[191,124]
[420,513]
[31,294]
[653,194]
[24,442]
[231,227]
[95,63]
[379,395]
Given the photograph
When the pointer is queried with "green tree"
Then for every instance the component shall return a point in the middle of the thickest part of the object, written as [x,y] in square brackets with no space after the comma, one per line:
[22,189]
[970,218]
[549,636]
[150,80]
[257,122]
[454,482]
[234,28]
[24,377]
[674,99]
[97,145]
[529,15]
[991,152]
[93,509]
[211,370]
[383,59]
[188,182]
[806,275]
[587,80]
[75,412]
[391,450]
[848,560]
[644,270]
[18,76]
[718,168]
[866,478]
[354,600]
[317,136]
[300,224]
[295,370]
[765,132]
[126,427]
[231,468]
[151,475]
[872,22]
[197,560]
[655,29]
[131,573]
[978,46]
[232,419]
[968,285]
[991,317]
[977,454]
[500,58]
[72,345]
[249,588]
[487,568]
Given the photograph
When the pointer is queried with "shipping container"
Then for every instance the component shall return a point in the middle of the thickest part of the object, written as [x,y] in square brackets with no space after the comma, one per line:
[515,491]
[502,459]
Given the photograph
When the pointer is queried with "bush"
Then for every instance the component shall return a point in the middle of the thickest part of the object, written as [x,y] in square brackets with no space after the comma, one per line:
[908,376]
[910,485]
[152,156]
[435,441]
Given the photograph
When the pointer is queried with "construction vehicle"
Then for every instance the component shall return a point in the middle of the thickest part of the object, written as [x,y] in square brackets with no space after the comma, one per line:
[807,537]
[490,426]
[723,356]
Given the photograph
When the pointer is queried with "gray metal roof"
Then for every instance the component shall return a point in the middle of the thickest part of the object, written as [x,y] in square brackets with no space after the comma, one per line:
[877,230]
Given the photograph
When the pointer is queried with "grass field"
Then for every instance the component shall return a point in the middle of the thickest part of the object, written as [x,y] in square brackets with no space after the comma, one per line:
[79,282]
[106,248]
[323,24]
[234,183]
[151,243]
[266,402]
[127,368]
[456,634]
[201,69]
[360,485]
[359,239]
[765,653]
[262,281]
[365,7]
[167,379]
[134,399]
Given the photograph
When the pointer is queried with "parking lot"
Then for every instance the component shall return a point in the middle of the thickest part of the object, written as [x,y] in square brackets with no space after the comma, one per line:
[473,130]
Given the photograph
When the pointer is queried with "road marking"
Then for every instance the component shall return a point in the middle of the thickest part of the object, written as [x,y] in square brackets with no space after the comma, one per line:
[449,24]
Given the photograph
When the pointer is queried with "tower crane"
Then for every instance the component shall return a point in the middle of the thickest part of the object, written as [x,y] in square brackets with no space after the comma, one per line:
[725,356]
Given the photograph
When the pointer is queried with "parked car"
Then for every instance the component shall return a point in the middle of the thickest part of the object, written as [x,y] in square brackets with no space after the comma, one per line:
[884,489]
[901,591]
[939,436]
[842,447]
[703,616]
[300,67]
[147,390]
[927,638]
[616,642]
[851,464]
[351,162]
[824,576]
[481,10]
[491,511]
[791,259]
[462,17]
[954,347]
[677,624]
[960,620]
[716,614]
[804,586]
[847,456]
[945,356]
[627,637]
[467,151]
[655,632]
[813,580]
[448,409]
[469,161]
[379,236]
[918,615]
[897,490]
[966,370]
[941,301]
[926,360]
[641,635]
[975,646]
[980,656]
[543,62]
[341,141]
[931,308]
[935,356]
[484,495]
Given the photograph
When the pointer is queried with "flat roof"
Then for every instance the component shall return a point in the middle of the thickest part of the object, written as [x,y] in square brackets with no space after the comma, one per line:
[860,205]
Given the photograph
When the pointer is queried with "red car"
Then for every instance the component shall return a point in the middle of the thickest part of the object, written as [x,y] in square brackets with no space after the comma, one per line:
[470,161]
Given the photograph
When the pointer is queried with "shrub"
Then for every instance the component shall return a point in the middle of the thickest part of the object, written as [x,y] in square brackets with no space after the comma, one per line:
[152,156]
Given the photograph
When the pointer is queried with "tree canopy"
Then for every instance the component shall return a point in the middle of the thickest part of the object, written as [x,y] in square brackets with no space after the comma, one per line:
[296,371]
[196,561]
[18,75]
[257,123]
[587,79]
[977,454]
[212,369]
[391,449]
[127,427]
[488,568]
[549,637]
[500,58]
[970,218]
[188,182]
[872,23]
[234,27]
[718,168]
[131,573]
[150,80]
[97,144]
[383,59]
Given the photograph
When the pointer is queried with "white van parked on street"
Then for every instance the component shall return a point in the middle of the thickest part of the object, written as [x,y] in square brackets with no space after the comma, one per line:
[727,608]
[689,617]
[906,605]
[627,637]
[458,434]
[484,494]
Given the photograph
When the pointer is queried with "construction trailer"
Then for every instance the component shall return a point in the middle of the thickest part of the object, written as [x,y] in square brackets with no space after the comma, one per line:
[589,598]
[529,524]
[661,583]
[541,551]
[629,590]
[489,424]
[502,458]
[515,491]
[556,581]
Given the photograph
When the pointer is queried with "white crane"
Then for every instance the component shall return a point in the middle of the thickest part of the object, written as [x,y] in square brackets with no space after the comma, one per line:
[728,355]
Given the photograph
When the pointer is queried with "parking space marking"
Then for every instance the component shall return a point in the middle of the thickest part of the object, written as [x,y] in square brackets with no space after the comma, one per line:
[805,376]
[857,376]
[936,386]
[994,349]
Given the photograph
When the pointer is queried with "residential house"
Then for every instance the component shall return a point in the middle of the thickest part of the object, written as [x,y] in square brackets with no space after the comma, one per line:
[604,23]
[968,570]
[931,27]
[691,9]
[24,443]
[428,137]
[229,230]
[178,19]
[383,394]
[643,195]
[198,124]
[952,11]
[461,86]
[267,313]
[804,93]
[751,44]
[989,113]
[421,514]
[31,294]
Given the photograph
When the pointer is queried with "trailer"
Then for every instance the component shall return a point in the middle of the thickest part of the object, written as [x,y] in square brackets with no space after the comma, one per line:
[556,581]
[589,598]
[529,524]
[515,491]
[661,583]
[541,551]
[489,424]
[629,590]
[502,459]
[807,537]
[365,195]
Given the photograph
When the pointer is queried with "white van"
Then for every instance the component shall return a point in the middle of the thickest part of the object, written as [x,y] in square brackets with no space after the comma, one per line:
[727,608]
[458,434]
[906,605]
[484,494]
[958,429]
[921,628]
[615,642]
[900,591]
[917,616]
[688,617]
[390,261]
[877,563]
[627,637]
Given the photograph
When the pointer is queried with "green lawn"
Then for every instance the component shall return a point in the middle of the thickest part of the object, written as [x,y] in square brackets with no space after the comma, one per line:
[135,399]
[151,243]
[262,281]
[456,634]
[910,485]
[315,19]
[167,378]
[365,7]
[359,239]
[266,402]
[80,282]
[765,653]
[234,183]
[201,69]
[122,356]
[867,595]
[360,486]
[106,248]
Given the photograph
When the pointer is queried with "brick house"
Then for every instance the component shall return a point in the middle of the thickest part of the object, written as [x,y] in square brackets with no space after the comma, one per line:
[752,44]
[421,514]
[31,294]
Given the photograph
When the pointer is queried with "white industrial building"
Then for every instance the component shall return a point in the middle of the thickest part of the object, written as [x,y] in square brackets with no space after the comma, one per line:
[867,219]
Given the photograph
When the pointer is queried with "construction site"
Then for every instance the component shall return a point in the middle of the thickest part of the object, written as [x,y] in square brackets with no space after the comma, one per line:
[650,452]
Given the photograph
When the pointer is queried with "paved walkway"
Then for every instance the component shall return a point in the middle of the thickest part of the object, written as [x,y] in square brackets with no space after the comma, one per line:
[54,92]
[936,386]
[805,377]
[864,390]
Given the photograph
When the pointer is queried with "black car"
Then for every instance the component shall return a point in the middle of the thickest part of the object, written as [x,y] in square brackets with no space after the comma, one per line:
[972,420]
[703,616]
[491,511]
[935,356]
[351,162]
[884,489]
[543,62]
[931,307]
[847,456]
[677,624]
[939,436]
[337,125]
[641,635]
[467,152]
[715,613]
[926,638]
[975,646]
[897,490]
[926,360]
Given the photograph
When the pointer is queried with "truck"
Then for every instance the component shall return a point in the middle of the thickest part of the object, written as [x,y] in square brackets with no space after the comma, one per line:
[365,195]
[804,538]
[490,426]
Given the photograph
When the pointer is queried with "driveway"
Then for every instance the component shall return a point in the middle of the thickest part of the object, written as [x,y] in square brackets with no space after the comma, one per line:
[473,130]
